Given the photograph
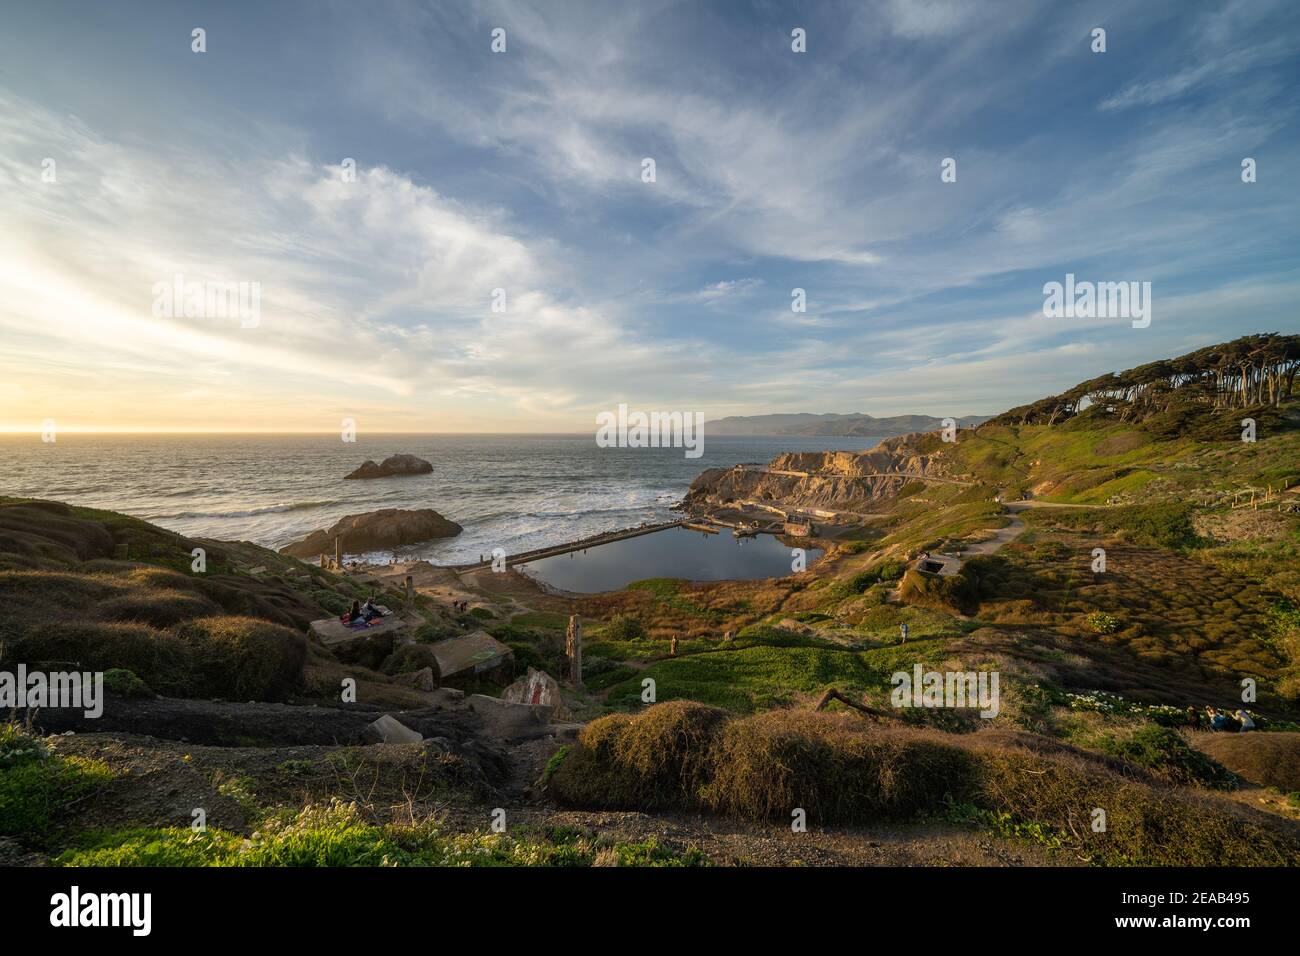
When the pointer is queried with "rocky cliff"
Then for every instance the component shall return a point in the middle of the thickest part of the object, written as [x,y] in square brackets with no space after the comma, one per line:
[837,480]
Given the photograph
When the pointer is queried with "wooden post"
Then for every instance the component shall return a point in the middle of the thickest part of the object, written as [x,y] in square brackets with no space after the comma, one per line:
[573,648]
[338,553]
[672,648]
[410,591]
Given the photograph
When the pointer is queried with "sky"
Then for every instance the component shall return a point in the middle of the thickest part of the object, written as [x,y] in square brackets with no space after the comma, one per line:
[495,260]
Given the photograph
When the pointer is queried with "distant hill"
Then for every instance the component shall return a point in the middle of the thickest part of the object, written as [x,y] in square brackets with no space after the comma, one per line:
[852,424]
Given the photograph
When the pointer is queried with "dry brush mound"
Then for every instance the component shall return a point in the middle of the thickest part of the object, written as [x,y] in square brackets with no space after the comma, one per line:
[686,756]
[235,658]
[1270,760]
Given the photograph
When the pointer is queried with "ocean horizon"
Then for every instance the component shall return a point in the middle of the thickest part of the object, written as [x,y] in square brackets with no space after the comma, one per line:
[507,490]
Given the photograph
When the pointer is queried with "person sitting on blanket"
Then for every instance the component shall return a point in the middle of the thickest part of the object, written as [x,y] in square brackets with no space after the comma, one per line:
[353,616]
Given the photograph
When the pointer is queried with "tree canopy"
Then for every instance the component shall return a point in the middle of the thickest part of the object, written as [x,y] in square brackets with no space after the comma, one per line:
[1252,371]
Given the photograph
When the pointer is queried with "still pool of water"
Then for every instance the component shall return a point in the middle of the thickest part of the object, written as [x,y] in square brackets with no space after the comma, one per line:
[673,553]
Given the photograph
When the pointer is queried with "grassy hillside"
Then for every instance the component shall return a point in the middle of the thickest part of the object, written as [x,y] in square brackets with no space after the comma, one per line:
[1200,593]
[103,591]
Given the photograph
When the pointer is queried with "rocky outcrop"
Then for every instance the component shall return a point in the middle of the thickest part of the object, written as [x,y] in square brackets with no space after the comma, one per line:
[837,480]
[393,465]
[537,688]
[376,531]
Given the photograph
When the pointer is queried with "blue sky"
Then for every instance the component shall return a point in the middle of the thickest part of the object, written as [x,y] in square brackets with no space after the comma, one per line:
[522,171]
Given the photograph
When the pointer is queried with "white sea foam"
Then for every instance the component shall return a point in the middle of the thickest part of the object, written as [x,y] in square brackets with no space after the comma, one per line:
[514,492]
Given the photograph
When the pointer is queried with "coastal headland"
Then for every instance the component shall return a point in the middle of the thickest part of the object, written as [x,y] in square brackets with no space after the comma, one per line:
[1111,560]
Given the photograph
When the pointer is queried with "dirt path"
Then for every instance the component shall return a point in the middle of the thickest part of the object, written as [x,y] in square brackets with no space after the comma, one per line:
[1004,536]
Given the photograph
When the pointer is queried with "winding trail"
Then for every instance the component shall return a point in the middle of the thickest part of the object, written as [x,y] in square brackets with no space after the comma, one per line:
[952,563]
[1004,536]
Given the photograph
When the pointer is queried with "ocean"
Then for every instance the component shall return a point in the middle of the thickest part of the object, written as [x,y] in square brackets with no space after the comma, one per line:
[516,492]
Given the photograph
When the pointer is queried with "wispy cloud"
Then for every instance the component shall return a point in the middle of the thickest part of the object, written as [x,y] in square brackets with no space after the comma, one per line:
[522,172]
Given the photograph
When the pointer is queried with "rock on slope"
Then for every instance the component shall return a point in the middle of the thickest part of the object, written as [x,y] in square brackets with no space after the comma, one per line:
[376,531]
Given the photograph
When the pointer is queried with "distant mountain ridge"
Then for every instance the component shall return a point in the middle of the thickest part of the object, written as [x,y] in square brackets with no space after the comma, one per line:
[851,424]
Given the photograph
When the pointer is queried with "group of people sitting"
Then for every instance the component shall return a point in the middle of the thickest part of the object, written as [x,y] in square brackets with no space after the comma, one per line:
[1216,719]
[362,614]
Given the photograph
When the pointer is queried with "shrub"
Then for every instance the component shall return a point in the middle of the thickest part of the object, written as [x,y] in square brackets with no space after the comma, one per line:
[526,656]
[885,571]
[658,760]
[842,770]
[553,765]
[1099,622]
[37,786]
[410,658]
[891,570]
[623,627]
[769,763]
[243,658]
[18,747]
[1164,751]
[1162,525]
[861,581]
[153,655]
[432,631]
[124,683]
[158,607]
[948,592]
[1268,759]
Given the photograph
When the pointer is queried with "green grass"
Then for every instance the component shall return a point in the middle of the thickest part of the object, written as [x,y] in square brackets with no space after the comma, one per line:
[337,834]
[754,678]
[37,787]
[1002,823]
[643,650]
[1163,525]
[542,620]
[668,597]
[930,528]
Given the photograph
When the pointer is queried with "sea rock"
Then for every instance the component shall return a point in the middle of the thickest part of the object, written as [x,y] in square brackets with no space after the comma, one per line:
[393,465]
[376,531]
